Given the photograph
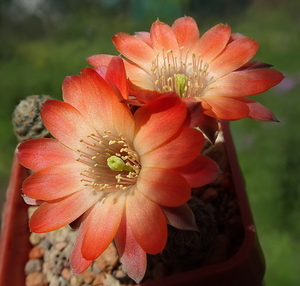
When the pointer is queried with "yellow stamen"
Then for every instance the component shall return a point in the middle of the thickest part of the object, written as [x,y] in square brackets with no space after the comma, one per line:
[187,75]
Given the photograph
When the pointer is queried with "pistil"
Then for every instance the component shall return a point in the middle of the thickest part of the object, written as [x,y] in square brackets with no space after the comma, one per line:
[117,164]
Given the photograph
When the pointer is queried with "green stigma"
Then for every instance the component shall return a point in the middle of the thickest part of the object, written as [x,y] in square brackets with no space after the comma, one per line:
[180,84]
[117,164]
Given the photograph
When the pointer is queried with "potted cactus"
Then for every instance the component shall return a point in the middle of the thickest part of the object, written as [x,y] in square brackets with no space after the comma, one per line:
[141,159]
[245,267]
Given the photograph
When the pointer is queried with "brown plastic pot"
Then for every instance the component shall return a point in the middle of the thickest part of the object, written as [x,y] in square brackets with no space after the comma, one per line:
[14,241]
[246,267]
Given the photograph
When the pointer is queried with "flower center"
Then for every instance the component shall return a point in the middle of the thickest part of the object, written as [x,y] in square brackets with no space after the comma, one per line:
[187,77]
[112,163]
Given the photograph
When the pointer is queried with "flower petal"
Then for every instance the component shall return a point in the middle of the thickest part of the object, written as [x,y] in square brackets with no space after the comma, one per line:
[245,83]
[55,214]
[101,225]
[99,60]
[186,31]
[112,69]
[151,236]
[177,151]
[254,65]
[212,42]
[131,47]
[194,111]
[145,96]
[140,77]
[116,74]
[181,217]
[164,186]
[77,262]
[163,37]
[235,55]
[95,98]
[31,201]
[132,256]
[144,36]
[258,111]
[226,108]
[66,123]
[200,172]
[36,154]
[157,121]
[86,91]
[50,183]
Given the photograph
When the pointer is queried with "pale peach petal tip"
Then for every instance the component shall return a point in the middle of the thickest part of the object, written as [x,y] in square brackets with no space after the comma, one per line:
[30,201]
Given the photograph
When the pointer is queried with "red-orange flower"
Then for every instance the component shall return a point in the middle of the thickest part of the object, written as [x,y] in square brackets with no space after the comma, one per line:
[215,68]
[115,170]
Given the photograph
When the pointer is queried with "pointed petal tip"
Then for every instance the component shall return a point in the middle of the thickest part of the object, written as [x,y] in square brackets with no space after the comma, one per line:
[78,269]
[132,256]
[78,264]
[181,217]
[274,119]
[134,271]
[31,201]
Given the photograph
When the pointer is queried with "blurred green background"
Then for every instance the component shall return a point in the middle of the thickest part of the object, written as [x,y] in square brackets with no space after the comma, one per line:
[42,41]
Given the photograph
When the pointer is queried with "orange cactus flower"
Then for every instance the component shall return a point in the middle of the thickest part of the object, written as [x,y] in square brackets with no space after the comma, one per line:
[214,69]
[113,170]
